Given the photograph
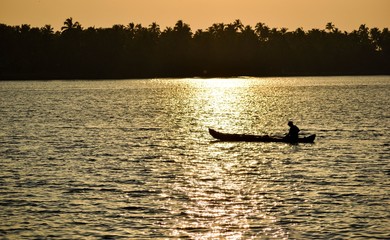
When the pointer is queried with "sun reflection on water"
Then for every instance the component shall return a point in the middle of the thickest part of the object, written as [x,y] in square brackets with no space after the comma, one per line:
[211,211]
[220,82]
[220,100]
[223,203]
[220,196]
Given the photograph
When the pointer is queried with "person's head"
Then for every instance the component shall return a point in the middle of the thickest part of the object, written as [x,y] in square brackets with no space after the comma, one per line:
[290,123]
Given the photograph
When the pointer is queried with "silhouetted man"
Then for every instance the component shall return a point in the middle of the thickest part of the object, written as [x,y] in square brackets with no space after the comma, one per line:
[292,135]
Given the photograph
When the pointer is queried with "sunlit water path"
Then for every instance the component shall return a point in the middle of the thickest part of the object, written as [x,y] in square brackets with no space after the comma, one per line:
[132,159]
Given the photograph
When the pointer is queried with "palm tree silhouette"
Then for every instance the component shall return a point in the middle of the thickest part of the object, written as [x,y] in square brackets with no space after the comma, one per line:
[70,25]
[47,29]
[330,27]
[263,31]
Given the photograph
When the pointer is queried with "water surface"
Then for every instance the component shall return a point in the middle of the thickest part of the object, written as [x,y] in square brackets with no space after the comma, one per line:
[133,159]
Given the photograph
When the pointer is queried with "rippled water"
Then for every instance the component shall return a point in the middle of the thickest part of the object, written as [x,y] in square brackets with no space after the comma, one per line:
[133,159]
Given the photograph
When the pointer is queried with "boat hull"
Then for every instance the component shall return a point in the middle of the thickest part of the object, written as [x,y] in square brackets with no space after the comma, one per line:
[256,138]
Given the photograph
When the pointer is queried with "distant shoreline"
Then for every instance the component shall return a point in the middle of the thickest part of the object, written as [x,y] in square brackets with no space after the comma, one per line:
[223,50]
[181,77]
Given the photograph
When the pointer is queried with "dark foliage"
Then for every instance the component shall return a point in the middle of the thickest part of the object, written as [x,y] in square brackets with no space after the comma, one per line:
[233,49]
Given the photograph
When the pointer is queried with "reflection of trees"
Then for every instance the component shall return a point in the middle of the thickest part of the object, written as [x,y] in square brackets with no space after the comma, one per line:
[221,50]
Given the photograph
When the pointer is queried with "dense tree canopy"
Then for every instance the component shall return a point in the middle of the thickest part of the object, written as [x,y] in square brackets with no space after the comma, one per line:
[135,51]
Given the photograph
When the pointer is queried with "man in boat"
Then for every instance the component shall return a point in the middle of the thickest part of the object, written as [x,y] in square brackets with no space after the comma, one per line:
[292,135]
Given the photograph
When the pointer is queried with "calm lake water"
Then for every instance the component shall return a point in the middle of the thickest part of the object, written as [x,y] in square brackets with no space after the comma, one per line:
[133,159]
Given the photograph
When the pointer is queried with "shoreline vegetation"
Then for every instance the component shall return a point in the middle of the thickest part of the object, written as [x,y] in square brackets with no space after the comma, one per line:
[222,50]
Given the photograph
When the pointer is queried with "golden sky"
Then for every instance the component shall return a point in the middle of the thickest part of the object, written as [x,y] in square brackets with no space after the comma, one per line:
[199,14]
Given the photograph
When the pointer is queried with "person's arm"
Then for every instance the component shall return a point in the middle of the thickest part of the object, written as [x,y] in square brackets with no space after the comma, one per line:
[288,134]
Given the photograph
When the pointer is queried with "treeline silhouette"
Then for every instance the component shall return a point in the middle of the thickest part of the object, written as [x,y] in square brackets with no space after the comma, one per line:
[135,51]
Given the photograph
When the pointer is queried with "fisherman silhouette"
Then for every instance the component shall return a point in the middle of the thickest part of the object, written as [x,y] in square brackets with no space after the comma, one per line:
[292,135]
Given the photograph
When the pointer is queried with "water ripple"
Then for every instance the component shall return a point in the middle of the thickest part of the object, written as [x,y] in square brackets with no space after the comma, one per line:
[133,159]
